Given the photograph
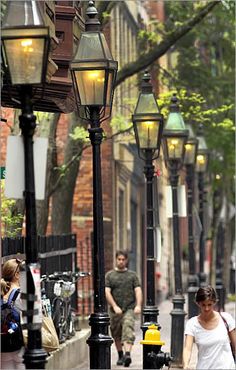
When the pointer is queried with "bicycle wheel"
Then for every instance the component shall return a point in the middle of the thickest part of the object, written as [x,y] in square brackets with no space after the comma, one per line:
[58,318]
[71,323]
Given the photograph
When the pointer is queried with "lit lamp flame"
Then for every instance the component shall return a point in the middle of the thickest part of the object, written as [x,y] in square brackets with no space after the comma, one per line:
[201,159]
[95,75]
[172,147]
[149,126]
[26,44]
[188,147]
[174,142]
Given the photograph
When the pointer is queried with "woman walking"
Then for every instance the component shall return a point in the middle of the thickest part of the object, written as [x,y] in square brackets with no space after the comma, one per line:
[208,330]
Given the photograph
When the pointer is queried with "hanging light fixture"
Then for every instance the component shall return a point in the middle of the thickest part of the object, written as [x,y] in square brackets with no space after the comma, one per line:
[190,147]
[25,43]
[93,69]
[202,152]
[174,135]
[147,120]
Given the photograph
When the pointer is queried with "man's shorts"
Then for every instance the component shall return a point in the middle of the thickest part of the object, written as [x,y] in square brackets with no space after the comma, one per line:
[122,326]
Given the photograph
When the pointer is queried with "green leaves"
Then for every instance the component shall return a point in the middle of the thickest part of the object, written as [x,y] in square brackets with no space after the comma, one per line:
[11,223]
[80,134]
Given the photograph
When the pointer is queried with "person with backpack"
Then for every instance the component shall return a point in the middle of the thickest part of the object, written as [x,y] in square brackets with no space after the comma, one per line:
[12,345]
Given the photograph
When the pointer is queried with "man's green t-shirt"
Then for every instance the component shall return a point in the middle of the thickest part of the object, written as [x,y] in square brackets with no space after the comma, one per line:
[122,285]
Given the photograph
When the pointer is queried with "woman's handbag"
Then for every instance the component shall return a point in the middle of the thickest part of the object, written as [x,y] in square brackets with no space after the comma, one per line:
[227,327]
[50,340]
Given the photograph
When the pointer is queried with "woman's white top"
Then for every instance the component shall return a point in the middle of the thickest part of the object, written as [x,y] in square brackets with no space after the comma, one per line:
[214,351]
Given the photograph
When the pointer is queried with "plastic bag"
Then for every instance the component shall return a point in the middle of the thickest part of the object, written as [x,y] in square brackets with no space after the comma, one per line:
[50,340]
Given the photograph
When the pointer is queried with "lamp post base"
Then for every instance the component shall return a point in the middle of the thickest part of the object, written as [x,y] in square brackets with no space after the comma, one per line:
[150,315]
[221,295]
[202,279]
[193,286]
[177,329]
[35,358]
[99,341]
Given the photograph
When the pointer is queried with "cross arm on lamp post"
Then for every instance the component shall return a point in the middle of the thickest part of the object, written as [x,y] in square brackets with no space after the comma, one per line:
[174,138]
[25,48]
[93,73]
[148,126]
[202,162]
[191,147]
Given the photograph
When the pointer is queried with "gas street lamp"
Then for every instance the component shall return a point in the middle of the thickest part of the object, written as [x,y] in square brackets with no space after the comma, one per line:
[189,161]
[25,48]
[174,140]
[93,73]
[201,168]
[148,126]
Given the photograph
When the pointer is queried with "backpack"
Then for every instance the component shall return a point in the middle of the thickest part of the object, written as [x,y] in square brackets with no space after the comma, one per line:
[11,332]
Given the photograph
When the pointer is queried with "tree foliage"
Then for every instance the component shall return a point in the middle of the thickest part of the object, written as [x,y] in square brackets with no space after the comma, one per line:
[10,222]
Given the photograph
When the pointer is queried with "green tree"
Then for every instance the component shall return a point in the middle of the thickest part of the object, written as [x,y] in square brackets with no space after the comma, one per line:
[10,219]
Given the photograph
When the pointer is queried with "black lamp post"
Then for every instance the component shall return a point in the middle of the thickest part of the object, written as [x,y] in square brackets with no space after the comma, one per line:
[148,126]
[174,139]
[220,289]
[94,73]
[25,47]
[189,161]
[201,168]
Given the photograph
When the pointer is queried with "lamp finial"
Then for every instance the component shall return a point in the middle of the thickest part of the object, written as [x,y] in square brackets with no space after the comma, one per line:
[174,106]
[92,23]
[146,85]
[200,130]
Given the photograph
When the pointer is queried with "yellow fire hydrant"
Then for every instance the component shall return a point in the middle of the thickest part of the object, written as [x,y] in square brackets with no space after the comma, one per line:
[153,357]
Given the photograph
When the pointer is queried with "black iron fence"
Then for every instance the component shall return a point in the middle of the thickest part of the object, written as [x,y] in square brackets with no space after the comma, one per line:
[59,253]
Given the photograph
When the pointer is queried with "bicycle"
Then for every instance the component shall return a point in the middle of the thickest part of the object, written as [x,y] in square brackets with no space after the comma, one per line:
[63,314]
[46,304]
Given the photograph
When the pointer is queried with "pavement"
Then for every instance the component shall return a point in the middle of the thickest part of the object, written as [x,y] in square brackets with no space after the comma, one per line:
[164,320]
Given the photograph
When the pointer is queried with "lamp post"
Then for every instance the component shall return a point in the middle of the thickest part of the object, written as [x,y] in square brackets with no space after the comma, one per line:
[148,126]
[93,73]
[201,167]
[174,139]
[220,290]
[25,47]
[189,161]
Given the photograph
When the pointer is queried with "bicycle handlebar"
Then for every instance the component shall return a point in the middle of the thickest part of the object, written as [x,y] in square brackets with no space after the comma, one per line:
[66,275]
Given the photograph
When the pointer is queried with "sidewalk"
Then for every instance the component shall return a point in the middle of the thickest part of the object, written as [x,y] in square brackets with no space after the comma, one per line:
[164,320]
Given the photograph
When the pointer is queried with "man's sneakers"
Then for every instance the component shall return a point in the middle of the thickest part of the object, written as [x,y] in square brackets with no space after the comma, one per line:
[127,359]
[124,359]
[120,361]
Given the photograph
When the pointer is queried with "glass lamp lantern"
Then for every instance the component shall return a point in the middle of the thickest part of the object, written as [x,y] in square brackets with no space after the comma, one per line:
[190,147]
[174,135]
[25,43]
[147,120]
[202,152]
[93,68]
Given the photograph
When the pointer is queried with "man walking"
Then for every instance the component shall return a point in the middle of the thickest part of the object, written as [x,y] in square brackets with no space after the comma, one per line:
[124,295]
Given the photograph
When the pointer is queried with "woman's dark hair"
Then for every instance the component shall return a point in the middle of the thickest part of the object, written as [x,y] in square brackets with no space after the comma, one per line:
[122,253]
[206,293]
